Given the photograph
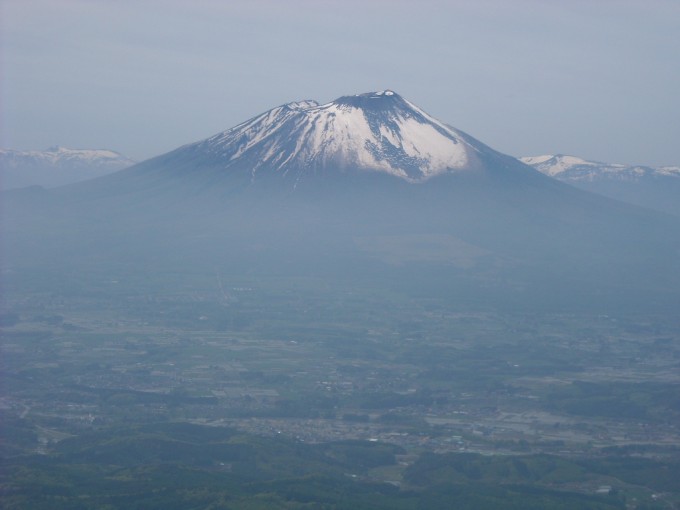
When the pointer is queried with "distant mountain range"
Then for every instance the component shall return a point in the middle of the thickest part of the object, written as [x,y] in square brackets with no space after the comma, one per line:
[366,190]
[653,187]
[389,135]
[56,166]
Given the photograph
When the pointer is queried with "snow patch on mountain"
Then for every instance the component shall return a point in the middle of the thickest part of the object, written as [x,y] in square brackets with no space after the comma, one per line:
[671,171]
[57,154]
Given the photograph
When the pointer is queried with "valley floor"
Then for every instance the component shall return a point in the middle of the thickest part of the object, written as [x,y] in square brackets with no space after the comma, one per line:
[413,385]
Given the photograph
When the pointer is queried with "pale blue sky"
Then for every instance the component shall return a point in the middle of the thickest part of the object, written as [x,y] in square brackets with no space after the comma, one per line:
[596,78]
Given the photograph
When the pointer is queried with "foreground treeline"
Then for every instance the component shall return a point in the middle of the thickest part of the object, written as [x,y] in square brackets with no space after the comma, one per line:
[183,466]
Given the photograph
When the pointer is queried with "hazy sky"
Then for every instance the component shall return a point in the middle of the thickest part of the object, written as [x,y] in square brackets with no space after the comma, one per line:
[594,78]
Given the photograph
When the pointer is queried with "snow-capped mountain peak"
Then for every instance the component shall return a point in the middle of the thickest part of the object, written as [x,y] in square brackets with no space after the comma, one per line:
[376,131]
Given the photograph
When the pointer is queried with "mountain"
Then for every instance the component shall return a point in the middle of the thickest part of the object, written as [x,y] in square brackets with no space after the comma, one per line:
[368,191]
[372,134]
[56,166]
[653,187]
[380,132]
